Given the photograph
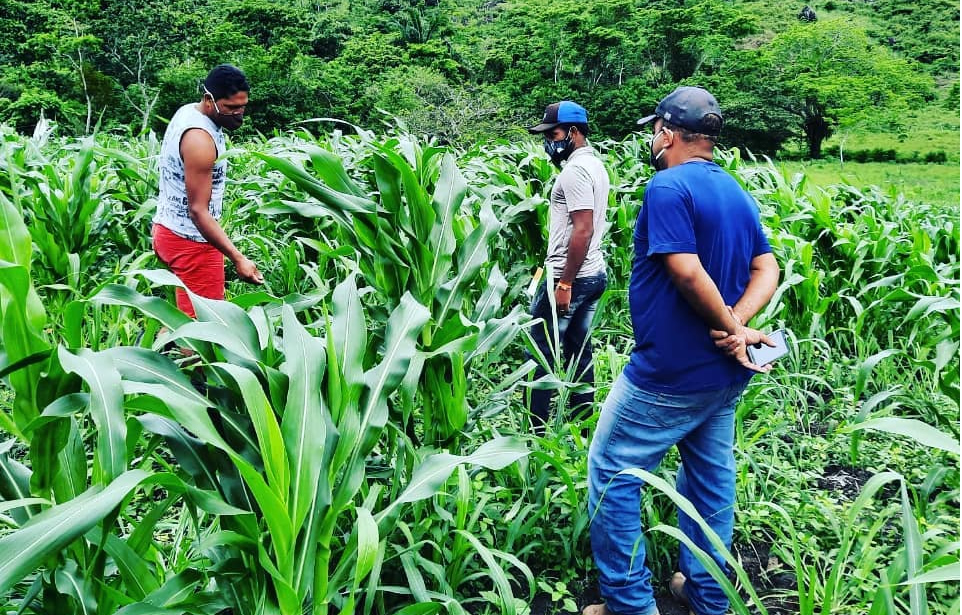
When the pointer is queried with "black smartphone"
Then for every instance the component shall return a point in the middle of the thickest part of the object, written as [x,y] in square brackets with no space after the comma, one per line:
[763,354]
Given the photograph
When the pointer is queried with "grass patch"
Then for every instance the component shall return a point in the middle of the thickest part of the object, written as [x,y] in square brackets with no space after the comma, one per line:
[920,137]
[936,184]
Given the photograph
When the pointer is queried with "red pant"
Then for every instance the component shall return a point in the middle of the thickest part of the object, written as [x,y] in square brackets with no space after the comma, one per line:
[199,265]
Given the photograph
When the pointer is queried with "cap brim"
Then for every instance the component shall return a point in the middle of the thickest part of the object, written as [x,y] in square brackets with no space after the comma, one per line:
[645,120]
[541,128]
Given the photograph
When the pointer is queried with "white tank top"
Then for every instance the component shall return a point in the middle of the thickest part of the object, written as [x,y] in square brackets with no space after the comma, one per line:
[172,202]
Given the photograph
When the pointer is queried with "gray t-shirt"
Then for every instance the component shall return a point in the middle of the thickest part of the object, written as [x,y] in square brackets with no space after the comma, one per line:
[582,184]
[172,202]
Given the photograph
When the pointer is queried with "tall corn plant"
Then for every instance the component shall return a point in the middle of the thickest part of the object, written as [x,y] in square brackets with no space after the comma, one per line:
[297,417]
[414,230]
[273,464]
[63,199]
[67,411]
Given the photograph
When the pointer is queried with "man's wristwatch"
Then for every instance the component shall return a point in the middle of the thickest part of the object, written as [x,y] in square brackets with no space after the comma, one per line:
[564,286]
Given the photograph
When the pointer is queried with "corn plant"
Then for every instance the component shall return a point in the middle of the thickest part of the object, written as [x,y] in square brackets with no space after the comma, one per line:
[416,236]
[276,469]
[68,512]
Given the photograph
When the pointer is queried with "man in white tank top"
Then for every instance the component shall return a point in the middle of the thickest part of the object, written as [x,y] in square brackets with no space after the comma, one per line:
[187,236]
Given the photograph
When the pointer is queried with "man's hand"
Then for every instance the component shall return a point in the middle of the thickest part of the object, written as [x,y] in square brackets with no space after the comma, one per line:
[562,299]
[736,346]
[247,271]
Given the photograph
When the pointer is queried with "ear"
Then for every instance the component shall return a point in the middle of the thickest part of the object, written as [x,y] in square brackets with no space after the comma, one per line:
[669,137]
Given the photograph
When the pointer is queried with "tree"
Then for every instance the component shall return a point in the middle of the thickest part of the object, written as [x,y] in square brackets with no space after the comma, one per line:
[688,38]
[827,73]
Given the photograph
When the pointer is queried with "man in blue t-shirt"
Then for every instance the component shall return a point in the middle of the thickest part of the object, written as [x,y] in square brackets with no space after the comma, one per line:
[702,269]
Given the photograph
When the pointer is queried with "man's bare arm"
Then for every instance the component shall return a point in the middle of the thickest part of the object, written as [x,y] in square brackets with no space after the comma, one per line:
[761,287]
[697,287]
[199,153]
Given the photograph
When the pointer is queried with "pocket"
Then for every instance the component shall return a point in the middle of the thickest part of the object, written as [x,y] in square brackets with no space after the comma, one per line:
[662,410]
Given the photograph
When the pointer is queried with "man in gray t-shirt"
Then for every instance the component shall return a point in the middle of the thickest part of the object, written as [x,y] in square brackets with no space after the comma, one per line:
[574,262]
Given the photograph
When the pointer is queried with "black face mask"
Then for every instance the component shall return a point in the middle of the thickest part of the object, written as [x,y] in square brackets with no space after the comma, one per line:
[229,121]
[558,151]
[656,161]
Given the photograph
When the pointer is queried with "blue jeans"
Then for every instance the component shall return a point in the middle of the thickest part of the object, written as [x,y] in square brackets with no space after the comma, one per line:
[574,334]
[635,430]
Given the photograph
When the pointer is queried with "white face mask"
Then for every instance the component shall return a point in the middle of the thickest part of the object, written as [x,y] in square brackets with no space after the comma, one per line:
[655,160]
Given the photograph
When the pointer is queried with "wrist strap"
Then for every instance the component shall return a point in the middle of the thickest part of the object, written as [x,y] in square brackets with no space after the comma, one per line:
[564,286]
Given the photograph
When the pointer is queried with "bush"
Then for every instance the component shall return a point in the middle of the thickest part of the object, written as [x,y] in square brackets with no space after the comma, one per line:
[881,154]
[910,157]
[939,157]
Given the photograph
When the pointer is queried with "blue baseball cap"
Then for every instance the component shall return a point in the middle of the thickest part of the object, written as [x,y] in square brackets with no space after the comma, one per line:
[687,107]
[564,112]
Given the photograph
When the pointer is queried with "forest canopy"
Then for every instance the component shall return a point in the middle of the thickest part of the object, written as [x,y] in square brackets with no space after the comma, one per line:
[468,70]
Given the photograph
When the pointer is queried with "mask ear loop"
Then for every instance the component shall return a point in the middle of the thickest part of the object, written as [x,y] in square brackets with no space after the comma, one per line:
[212,101]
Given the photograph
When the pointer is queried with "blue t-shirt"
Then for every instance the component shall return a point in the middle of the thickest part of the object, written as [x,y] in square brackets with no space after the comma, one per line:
[693,208]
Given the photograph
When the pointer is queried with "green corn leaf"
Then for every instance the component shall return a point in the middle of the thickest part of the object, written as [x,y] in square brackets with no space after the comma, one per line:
[497,333]
[865,369]
[21,332]
[713,568]
[421,608]
[943,574]
[155,307]
[70,581]
[307,210]
[472,255]
[52,530]
[448,195]
[349,331]
[269,439]
[145,608]
[106,409]
[16,249]
[222,335]
[317,189]
[388,180]
[139,579]
[403,328]
[303,425]
[231,322]
[913,428]
[495,571]
[914,554]
[71,469]
[490,302]
[414,578]
[688,508]
[331,169]
[151,373]
[419,210]
[431,475]
[15,486]
[926,305]
[15,242]
[368,544]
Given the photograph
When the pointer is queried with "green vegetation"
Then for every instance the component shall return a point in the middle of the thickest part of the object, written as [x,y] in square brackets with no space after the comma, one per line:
[467,71]
[937,184]
[352,437]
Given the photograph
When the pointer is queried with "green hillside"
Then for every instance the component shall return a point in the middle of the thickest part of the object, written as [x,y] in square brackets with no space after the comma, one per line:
[470,70]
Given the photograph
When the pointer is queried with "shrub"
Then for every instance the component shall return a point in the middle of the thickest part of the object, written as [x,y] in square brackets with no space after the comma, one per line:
[939,157]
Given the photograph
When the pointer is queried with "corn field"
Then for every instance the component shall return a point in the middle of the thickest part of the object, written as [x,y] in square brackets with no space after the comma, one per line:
[352,436]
